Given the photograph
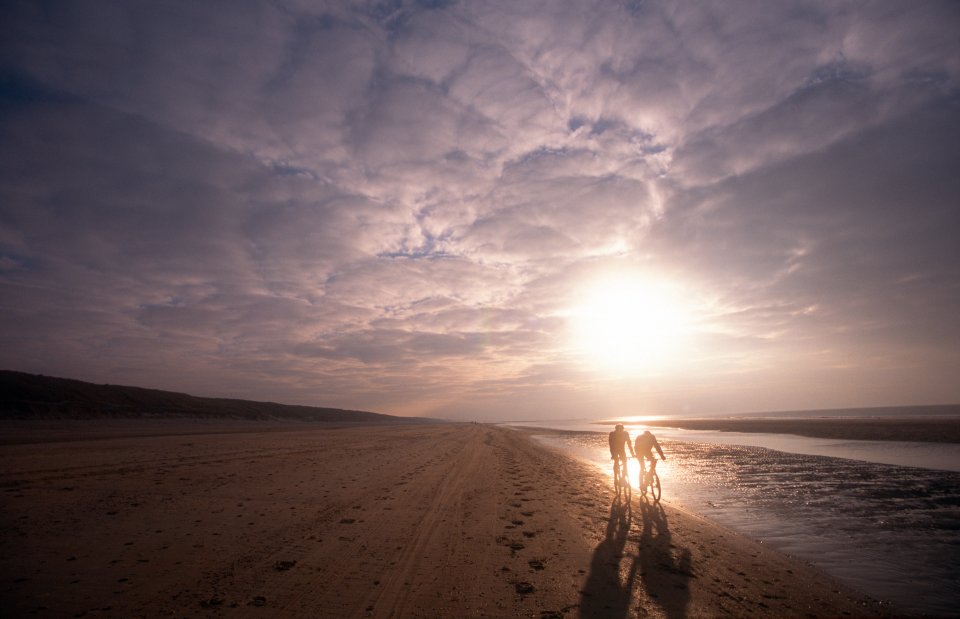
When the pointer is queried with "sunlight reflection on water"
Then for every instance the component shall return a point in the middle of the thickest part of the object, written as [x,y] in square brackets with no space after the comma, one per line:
[890,531]
[939,456]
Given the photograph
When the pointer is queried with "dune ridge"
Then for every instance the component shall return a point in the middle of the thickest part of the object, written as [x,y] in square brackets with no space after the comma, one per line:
[31,396]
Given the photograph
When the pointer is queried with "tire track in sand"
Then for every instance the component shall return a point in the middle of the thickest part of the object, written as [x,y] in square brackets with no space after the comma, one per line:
[446,504]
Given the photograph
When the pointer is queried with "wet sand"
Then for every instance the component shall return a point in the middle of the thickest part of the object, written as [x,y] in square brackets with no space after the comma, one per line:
[399,521]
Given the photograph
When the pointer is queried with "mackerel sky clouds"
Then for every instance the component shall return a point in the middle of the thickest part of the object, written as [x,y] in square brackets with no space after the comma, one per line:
[428,207]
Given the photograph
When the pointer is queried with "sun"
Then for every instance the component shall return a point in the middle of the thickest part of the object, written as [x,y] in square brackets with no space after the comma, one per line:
[632,323]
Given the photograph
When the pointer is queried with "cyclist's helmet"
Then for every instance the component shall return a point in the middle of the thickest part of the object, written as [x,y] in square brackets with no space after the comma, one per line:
[619,426]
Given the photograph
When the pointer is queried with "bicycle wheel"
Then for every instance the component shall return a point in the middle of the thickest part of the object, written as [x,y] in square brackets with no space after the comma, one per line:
[655,488]
[617,485]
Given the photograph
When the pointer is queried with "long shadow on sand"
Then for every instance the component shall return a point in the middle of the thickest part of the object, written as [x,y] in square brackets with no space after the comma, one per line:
[607,593]
[666,570]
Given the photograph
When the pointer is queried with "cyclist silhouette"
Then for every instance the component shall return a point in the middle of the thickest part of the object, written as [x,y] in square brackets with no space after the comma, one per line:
[619,440]
[644,446]
[644,449]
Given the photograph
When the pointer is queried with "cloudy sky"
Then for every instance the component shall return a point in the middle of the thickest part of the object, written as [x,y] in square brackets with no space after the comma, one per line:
[493,210]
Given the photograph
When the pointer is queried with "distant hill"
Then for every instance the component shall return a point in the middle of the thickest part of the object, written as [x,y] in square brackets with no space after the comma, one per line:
[31,396]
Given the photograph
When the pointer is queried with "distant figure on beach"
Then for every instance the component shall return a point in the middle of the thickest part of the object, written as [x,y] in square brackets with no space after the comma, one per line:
[619,441]
[644,449]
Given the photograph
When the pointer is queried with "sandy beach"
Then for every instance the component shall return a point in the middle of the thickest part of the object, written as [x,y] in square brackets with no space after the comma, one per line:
[455,520]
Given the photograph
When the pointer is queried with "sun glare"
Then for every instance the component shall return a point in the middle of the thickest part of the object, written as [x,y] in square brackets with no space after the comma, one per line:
[632,324]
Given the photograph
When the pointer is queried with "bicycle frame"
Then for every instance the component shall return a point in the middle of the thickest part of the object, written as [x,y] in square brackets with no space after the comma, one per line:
[621,477]
[649,480]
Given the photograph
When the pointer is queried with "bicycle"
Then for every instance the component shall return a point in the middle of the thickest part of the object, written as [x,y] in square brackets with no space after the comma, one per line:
[649,480]
[621,479]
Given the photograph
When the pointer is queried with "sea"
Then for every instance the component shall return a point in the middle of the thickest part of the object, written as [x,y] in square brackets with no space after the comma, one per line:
[881,516]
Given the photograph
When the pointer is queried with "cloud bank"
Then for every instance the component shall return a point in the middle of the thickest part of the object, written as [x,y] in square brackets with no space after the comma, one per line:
[395,205]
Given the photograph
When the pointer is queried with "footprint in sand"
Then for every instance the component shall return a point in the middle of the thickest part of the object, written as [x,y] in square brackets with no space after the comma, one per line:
[513,546]
[524,588]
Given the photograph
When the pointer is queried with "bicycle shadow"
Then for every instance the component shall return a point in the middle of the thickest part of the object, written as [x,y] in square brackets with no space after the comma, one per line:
[666,570]
[609,587]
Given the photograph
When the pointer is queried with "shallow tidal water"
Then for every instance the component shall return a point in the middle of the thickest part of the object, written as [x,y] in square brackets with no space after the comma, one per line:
[890,531]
